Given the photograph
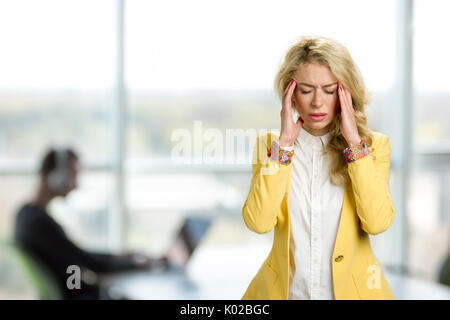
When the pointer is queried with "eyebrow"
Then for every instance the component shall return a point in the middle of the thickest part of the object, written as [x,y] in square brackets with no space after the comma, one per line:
[310,85]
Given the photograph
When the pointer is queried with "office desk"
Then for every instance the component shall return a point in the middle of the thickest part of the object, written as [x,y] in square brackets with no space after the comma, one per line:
[225,272]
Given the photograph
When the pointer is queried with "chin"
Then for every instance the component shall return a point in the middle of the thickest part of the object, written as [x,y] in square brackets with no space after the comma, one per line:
[318,125]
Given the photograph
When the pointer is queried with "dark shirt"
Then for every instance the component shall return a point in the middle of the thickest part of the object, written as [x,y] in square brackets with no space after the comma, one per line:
[39,235]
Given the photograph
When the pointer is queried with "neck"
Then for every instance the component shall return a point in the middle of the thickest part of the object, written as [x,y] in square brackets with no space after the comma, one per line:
[316,133]
[42,197]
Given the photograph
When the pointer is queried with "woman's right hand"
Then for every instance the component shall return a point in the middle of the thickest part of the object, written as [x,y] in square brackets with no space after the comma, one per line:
[289,129]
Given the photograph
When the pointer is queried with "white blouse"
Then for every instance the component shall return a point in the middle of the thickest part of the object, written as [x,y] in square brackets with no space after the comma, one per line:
[314,207]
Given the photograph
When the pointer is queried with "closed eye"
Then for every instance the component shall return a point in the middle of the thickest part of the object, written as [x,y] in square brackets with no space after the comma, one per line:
[306,92]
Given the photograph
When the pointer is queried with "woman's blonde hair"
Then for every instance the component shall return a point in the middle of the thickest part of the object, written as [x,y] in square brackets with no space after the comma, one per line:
[330,53]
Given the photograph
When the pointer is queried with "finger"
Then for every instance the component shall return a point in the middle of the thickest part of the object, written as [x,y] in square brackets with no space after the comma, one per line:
[350,102]
[345,103]
[290,93]
[290,90]
[287,103]
[348,97]
[290,83]
[342,98]
[283,105]
[287,88]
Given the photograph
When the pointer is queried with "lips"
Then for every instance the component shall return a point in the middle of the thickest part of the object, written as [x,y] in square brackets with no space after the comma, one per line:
[317,116]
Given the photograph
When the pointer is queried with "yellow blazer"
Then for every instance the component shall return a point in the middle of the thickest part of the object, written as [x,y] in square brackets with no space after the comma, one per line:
[367,209]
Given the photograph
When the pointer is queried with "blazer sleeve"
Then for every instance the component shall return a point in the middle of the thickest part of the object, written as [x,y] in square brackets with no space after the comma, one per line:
[267,188]
[370,182]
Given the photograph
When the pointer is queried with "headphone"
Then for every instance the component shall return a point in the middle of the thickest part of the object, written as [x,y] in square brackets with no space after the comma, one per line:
[58,178]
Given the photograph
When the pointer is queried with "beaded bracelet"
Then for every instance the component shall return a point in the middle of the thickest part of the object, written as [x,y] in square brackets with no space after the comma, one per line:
[357,152]
[279,154]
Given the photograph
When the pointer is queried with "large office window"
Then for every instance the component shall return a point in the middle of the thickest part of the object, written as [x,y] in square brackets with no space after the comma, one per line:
[429,207]
[58,63]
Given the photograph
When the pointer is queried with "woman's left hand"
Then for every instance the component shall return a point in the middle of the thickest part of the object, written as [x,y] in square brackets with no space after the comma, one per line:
[348,122]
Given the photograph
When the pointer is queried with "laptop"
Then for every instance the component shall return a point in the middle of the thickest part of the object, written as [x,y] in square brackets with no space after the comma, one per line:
[187,240]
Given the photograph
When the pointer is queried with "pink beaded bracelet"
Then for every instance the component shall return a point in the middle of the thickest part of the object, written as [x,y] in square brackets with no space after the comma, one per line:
[279,154]
[357,152]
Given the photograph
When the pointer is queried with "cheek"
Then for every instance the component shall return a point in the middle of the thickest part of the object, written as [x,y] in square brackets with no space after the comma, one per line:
[334,105]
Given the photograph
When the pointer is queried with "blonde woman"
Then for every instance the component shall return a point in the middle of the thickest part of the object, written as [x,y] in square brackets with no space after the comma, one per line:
[322,183]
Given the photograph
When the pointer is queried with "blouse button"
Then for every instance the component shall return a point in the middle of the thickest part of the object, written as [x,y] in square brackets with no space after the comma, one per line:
[339,258]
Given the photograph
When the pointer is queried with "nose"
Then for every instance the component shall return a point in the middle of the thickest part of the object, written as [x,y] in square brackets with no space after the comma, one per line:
[317,100]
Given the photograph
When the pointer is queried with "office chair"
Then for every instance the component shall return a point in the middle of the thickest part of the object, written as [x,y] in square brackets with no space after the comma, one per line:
[444,273]
[37,274]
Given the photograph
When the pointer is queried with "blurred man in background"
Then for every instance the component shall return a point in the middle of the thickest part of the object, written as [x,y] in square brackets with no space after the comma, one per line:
[43,239]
